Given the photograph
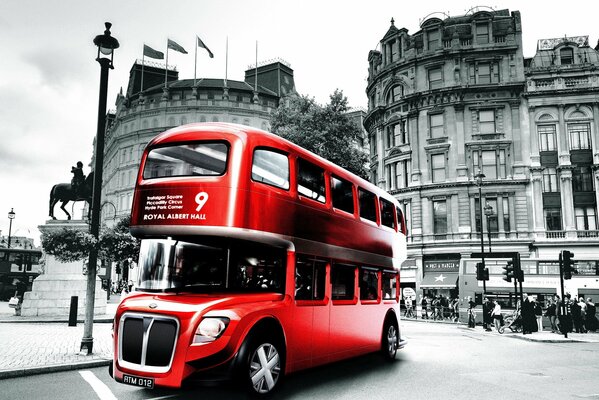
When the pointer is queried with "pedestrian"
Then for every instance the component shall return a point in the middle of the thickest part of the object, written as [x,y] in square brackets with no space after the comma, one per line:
[487,309]
[437,313]
[496,314]
[576,316]
[455,309]
[564,315]
[471,316]
[423,307]
[539,315]
[591,319]
[583,314]
[409,308]
[130,286]
[529,323]
[551,314]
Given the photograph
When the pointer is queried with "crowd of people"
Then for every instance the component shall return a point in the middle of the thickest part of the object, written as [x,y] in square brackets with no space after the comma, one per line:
[570,315]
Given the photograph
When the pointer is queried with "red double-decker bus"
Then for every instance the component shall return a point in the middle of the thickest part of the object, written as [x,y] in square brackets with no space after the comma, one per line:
[258,259]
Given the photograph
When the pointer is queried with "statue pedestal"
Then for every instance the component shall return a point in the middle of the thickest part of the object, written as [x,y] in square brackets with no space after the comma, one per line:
[51,292]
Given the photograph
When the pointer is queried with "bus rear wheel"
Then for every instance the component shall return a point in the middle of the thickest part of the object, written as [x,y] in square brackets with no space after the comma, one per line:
[390,340]
[263,369]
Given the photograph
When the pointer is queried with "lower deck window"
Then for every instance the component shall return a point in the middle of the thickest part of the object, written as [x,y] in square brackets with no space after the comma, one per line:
[343,280]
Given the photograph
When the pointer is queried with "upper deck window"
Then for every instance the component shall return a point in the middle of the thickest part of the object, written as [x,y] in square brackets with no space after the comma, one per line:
[191,159]
[387,217]
[367,204]
[343,195]
[310,180]
[271,167]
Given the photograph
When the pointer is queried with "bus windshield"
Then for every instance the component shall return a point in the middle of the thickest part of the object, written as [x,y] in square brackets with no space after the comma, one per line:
[215,265]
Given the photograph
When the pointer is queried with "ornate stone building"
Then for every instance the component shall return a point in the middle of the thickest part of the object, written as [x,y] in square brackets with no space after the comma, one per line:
[141,115]
[450,102]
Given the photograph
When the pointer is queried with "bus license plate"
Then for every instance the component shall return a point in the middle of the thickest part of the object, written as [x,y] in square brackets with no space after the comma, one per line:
[138,381]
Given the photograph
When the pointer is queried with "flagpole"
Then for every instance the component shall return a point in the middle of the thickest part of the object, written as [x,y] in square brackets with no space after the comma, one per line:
[226,61]
[143,55]
[166,69]
[195,65]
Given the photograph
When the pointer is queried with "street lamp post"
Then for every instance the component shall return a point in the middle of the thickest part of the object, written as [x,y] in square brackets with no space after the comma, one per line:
[479,182]
[488,212]
[106,45]
[11,216]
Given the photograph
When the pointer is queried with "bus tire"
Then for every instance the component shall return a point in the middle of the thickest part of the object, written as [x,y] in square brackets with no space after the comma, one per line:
[390,339]
[261,368]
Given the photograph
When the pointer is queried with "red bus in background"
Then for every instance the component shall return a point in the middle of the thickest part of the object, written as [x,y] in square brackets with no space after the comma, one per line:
[258,259]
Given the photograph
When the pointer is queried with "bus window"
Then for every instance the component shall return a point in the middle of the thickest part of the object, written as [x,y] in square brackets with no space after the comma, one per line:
[310,276]
[367,204]
[369,284]
[389,285]
[387,217]
[343,194]
[403,228]
[271,168]
[310,180]
[343,280]
[193,159]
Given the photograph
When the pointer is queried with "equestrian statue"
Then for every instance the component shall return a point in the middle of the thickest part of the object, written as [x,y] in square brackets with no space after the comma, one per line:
[80,189]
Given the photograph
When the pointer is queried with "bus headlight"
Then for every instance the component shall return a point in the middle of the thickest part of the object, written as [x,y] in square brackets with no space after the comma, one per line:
[210,329]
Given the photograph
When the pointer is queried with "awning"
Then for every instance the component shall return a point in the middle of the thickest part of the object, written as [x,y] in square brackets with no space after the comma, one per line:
[439,280]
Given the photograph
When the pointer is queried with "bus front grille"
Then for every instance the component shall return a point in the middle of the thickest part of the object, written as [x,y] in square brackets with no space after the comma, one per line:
[147,342]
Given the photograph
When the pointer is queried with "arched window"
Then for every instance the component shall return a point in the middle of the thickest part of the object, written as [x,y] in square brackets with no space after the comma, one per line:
[395,94]
[203,118]
[566,55]
[183,120]
[144,124]
[155,123]
[214,119]
[171,121]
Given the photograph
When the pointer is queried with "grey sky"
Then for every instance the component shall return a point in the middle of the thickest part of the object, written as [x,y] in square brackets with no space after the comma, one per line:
[49,79]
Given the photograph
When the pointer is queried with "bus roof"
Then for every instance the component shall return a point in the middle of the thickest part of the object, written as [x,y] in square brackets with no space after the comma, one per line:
[188,132]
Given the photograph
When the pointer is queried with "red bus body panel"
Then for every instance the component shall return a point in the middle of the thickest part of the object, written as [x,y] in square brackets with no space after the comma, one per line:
[316,332]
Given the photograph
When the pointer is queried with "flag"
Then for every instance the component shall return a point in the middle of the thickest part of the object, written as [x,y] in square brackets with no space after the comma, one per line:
[150,52]
[175,46]
[202,45]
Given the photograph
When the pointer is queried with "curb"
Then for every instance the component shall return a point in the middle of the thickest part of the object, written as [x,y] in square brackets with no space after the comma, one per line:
[102,320]
[15,373]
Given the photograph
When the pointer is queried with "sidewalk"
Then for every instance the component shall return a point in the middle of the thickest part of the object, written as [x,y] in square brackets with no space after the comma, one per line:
[35,345]
[544,337]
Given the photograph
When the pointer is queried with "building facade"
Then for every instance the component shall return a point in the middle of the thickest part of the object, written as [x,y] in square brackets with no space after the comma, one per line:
[453,137]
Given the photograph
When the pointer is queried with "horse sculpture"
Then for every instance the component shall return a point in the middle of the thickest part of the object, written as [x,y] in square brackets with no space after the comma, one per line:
[65,192]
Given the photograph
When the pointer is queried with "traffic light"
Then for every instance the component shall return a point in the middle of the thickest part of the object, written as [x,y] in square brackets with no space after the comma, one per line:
[508,271]
[482,273]
[568,264]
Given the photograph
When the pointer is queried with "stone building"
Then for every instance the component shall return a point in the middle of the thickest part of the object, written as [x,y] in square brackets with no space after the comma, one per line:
[451,135]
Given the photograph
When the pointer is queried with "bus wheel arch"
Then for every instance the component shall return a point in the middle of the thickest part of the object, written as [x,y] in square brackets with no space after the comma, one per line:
[390,336]
[260,362]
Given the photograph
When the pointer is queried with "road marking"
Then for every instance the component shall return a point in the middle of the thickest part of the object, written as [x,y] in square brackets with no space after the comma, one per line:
[99,387]
[164,397]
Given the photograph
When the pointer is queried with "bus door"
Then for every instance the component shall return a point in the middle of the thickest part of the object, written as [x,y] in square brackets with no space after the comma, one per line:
[311,318]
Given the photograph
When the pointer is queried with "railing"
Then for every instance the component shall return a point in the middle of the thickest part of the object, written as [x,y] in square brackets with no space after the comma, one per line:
[587,234]
[466,42]
[499,39]
[555,234]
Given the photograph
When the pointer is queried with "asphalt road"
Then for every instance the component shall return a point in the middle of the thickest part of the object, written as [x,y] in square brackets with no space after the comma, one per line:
[440,362]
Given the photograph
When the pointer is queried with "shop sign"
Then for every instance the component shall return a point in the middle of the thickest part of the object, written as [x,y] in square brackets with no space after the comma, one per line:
[445,266]
[529,281]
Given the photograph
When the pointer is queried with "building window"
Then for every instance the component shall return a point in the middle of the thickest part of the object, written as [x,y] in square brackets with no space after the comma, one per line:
[403,132]
[550,181]
[433,39]
[582,179]
[580,136]
[438,167]
[392,131]
[395,94]
[435,78]
[486,121]
[402,171]
[493,219]
[553,219]
[484,72]
[547,137]
[566,56]
[372,140]
[440,219]
[491,162]
[586,219]
[435,122]
[506,215]
[482,33]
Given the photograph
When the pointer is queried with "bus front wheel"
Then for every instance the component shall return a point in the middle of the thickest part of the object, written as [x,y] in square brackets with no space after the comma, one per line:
[390,340]
[263,366]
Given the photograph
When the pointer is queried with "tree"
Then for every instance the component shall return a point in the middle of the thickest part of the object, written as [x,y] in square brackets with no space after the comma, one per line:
[69,245]
[325,130]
